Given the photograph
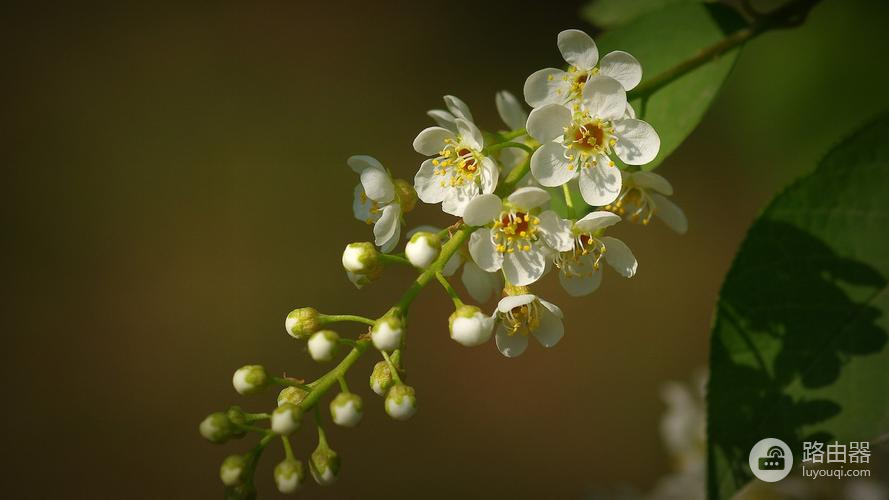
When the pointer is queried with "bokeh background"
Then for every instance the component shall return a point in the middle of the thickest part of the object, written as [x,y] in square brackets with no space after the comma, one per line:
[175,183]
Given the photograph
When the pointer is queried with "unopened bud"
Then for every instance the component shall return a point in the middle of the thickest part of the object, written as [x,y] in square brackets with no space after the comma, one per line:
[217,428]
[346,409]
[324,465]
[323,345]
[470,327]
[422,249]
[250,379]
[233,470]
[292,395]
[407,195]
[381,378]
[361,258]
[289,475]
[401,402]
[286,419]
[302,322]
[387,332]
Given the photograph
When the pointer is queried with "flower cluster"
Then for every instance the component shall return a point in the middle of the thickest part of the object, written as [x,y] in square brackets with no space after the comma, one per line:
[537,198]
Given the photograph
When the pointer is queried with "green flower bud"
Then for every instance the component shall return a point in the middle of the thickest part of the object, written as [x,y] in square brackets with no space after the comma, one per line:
[286,419]
[217,428]
[388,331]
[289,475]
[233,470]
[324,465]
[362,258]
[323,345]
[407,195]
[422,249]
[401,402]
[250,379]
[381,378]
[346,409]
[301,323]
[469,327]
[292,395]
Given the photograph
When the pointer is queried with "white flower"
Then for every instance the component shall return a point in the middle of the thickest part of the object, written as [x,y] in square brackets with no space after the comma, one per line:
[579,270]
[579,140]
[458,171]
[422,249]
[361,258]
[217,427]
[289,475]
[479,283]
[346,409]
[469,327]
[250,379]
[521,315]
[518,240]
[643,195]
[286,419]
[401,402]
[456,109]
[387,332]
[552,85]
[232,470]
[381,378]
[376,201]
[323,345]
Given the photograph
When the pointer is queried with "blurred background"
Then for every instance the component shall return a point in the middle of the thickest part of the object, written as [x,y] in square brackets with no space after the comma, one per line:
[176,183]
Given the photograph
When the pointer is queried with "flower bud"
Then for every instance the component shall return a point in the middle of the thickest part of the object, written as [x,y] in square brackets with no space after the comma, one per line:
[381,378]
[422,249]
[323,345]
[361,258]
[388,331]
[233,470]
[286,419]
[217,428]
[301,323]
[250,379]
[324,464]
[292,395]
[359,280]
[346,409]
[289,475]
[469,326]
[401,402]
[407,195]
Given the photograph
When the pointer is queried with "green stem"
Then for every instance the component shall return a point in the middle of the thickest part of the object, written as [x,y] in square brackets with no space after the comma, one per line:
[507,136]
[392,368]
[343,386]
[288,450]
[449,248]
[507,144]
[289,382]
[336,318]
[320,386]
[449,289]
[514,177]
[788,15]
[569,201]
[386,258]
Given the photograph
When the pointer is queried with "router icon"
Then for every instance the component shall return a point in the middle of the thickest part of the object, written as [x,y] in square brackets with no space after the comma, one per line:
[774,460]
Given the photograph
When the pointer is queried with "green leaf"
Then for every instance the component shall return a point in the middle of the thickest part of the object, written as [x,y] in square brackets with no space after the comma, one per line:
[664,39]
[799,343]
[614,13]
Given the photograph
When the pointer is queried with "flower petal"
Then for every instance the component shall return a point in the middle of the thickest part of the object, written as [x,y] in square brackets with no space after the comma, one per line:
[550,167]
[551,330]
[431,140]
[510,302]
[556,232]
[556,310]
[510,110]
[510,345]
[637,141]
[653,181]
[482,210]
[528,197]
[453,264]
[484,252]
[523,267]
[583,279]
[470,134]
[377,185]
[605,97]
[388,227]
[458,107]
[619,256]
[361,206]
[630,113]
[597,220]
[457,198]
[622,67]
[359,163]
[672,215]
[490,175]
[443,119]
[542,87]
[479,283]
[578,49]
[431,187]
[600,183]
[548,122]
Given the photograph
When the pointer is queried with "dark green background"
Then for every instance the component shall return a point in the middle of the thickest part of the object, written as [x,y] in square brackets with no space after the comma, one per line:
[176,183]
